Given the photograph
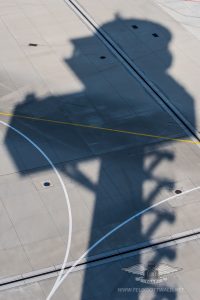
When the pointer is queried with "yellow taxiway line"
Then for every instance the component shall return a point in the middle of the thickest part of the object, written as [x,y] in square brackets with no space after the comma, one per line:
[26,117]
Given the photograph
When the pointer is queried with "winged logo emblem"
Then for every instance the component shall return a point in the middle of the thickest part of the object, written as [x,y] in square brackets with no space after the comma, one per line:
[151,273]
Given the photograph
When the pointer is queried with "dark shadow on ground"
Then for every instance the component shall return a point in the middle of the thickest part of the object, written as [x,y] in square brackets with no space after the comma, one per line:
[123,170]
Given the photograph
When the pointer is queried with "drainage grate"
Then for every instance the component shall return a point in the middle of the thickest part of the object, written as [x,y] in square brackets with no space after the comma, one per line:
[33,45]
[47,183]
[102,57]
[134,26]
[101,259]
[178,191]
[155,34]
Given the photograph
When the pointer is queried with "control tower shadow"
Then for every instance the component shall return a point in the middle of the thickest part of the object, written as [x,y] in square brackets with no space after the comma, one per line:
[127,163]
